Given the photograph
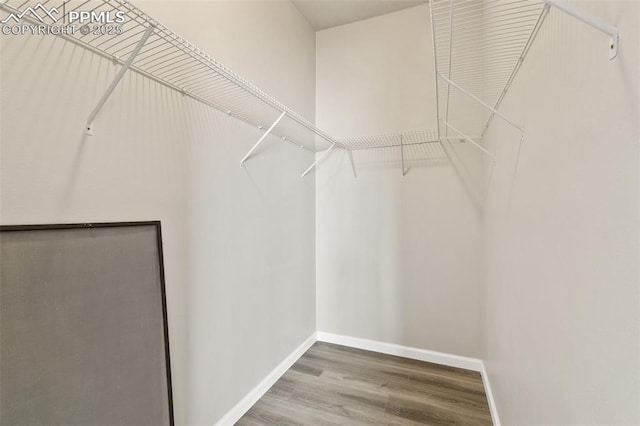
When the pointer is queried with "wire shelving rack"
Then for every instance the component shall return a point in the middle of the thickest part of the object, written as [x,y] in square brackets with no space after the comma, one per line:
[478,48]
[145,46]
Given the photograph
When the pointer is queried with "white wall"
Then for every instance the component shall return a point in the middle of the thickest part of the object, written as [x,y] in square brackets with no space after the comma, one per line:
[238,243]
[397,260]
[561,312]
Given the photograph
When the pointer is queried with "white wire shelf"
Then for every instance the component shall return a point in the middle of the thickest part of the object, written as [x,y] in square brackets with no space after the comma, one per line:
[391,140]
[479,46]
[406,142]
[160,54]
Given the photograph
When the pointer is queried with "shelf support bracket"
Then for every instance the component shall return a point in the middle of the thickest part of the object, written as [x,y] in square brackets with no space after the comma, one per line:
[543,14]
[265,134]
[446,117]
[481,102]
[468,139]
[353,165]
[402,157]
[88,127]
[318,160]
[435,65]
[596,23]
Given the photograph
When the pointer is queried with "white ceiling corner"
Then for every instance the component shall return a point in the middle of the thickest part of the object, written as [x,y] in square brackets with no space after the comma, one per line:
[323,14]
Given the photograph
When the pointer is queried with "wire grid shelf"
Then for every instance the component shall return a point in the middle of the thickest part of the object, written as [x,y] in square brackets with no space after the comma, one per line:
[172,61]
[480,45]
[412,156]
[389,140]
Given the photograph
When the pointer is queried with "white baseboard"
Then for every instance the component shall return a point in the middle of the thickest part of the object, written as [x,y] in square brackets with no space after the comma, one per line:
[492,402]
[256,393]
[442,358]
[403,351]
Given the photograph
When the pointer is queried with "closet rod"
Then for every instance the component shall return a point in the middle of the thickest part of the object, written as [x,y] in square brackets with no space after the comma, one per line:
[596,23]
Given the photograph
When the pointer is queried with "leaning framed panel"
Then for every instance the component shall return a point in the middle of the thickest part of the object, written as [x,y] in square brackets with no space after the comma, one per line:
[83,325]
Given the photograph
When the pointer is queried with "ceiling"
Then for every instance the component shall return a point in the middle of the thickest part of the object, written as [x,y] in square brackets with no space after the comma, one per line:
[323,14]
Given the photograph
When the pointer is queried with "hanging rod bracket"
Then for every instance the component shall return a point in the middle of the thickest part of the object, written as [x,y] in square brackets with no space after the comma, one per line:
[88,127]
[596,23]
[264,135]
[318,160]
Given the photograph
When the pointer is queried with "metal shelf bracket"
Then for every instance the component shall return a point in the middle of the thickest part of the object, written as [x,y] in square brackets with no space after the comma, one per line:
[468,139]
[481,102]
[264,135]
[318,160]
[403,174]
[353,165]
[596,23]
[88,127]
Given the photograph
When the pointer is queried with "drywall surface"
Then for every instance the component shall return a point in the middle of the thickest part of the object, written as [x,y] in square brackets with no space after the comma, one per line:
[238,243]
[561,313]
[397,259]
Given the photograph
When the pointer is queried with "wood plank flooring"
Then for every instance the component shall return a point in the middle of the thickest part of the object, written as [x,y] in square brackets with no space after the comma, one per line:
[338,385]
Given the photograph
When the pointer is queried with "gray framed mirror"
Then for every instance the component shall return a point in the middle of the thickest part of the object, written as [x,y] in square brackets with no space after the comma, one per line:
[83,325]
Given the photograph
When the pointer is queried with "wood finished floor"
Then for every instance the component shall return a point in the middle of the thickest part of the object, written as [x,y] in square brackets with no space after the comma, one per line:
[337,385]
